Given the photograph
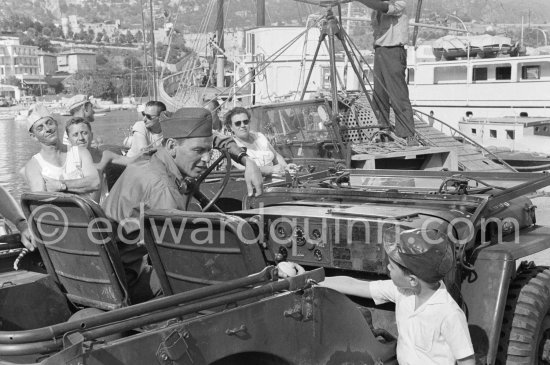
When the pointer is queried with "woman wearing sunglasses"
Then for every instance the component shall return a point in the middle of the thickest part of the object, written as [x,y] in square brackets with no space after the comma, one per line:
[270,162]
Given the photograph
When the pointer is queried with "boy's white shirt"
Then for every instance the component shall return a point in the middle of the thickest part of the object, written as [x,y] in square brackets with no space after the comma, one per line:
[435,333]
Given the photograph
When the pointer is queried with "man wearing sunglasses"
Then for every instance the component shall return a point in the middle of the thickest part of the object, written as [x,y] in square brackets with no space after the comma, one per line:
[147,133]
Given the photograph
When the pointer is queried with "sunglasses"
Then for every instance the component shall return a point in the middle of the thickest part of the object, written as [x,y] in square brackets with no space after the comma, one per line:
[148,116]
[238,122]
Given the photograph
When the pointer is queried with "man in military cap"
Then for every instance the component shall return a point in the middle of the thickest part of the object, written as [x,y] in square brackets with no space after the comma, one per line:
[432,328]
[158,183]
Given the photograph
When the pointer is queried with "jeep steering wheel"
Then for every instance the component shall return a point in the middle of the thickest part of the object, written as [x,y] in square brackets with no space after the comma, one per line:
[203,199]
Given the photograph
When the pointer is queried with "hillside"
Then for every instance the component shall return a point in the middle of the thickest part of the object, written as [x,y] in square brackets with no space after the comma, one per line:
[242,13]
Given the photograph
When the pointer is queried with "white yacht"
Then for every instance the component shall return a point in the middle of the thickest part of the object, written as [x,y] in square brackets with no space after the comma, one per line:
[500,86]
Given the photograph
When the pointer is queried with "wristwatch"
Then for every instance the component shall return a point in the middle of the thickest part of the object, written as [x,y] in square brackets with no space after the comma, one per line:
[242,155]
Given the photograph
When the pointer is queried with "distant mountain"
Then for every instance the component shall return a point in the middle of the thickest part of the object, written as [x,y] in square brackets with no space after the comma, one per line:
[492,11]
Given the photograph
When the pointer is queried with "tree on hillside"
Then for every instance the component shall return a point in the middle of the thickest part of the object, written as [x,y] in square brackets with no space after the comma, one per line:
[58,32]
[100,59]
[44,44]
[98,37]
[12,80]
[130,37]
[178,50]
[139,36]
[131,62]
[90,36]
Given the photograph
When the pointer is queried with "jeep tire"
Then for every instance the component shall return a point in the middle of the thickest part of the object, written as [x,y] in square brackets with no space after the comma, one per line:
[525,333]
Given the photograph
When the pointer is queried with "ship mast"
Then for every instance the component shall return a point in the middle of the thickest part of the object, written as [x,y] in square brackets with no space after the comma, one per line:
[417,20]
[218,56]
[260,13]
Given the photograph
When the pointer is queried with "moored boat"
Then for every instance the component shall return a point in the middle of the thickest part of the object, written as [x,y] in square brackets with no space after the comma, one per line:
[520,141]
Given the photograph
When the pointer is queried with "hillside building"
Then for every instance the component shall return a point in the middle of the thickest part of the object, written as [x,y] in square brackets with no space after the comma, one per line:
[47,63]
[17,60]
[76,60]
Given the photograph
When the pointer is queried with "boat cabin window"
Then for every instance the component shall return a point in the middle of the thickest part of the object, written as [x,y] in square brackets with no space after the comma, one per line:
[474,131]
[504,73]
[542,130]
[410,75]
[450,74]
[530,72]
[251,43]
[510,134]
[480,74]
[492,133]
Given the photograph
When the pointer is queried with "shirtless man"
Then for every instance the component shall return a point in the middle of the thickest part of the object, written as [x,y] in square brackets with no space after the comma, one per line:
[79,132]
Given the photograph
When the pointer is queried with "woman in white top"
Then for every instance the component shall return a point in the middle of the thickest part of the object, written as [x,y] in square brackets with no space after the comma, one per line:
[259,149]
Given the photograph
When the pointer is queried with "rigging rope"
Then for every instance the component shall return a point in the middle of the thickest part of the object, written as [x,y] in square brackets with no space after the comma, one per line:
[261,67]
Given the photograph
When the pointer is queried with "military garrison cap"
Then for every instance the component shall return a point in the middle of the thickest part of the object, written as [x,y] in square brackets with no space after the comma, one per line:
[186,123]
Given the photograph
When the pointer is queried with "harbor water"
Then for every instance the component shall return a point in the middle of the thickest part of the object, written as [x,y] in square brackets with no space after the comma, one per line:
[17,147]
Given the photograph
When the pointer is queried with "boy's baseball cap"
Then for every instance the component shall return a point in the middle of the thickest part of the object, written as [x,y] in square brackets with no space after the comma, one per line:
[427,253]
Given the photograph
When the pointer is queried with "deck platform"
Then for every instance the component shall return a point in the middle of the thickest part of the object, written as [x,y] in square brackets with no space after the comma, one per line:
[469,157]
[391,155]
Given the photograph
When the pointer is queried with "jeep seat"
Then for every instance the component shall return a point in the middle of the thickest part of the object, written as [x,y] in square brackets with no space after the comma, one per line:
[77,247]
[190,250]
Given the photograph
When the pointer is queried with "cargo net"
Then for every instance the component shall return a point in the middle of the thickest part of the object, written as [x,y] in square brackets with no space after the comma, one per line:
[358,115]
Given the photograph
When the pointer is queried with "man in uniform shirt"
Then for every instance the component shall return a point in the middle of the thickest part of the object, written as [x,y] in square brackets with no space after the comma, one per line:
[158,183]
[391,33]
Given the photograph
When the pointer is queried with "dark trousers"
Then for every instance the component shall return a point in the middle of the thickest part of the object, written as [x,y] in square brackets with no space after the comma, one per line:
[390,64]
[143,282]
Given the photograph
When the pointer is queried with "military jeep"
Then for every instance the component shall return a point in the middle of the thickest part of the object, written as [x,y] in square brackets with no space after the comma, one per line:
[222,303]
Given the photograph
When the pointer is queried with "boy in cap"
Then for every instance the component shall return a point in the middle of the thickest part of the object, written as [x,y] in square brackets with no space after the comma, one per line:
[53,168]
[432,327]
[158,183]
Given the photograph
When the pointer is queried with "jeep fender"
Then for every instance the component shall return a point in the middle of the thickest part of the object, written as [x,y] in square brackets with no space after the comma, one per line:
[484,290]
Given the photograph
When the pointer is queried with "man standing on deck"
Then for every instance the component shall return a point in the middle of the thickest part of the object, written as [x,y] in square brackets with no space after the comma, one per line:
[390,26]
